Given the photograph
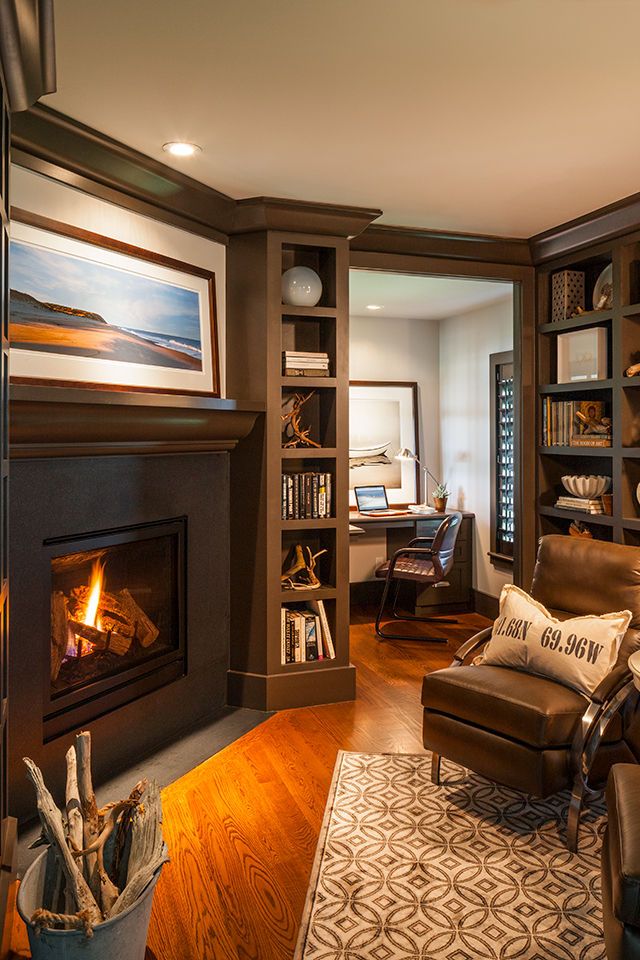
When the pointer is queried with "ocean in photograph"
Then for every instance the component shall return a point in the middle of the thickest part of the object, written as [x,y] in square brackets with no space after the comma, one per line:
[71,306]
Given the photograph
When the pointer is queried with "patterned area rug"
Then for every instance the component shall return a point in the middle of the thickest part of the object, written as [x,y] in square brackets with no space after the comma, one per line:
[465,871]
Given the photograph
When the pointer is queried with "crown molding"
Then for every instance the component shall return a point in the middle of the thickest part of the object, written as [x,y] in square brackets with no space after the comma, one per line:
[66,150]
[383,238]
[605,223]
[298,216]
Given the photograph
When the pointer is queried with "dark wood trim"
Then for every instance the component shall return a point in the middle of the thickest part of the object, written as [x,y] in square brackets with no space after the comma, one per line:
[524,305]
[109,243]
[327,684]
[71,152]
[605,223]
[413,386]
[365,592]
[384,238]
[8,863]
[485,604]
[53,421]
[298,216]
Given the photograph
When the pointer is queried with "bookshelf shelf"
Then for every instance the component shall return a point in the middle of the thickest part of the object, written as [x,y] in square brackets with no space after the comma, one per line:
[308,453]
[600,519]
[575,451]
[298,596]
[289,310]
[618,395]
[588,387]
[304,383]
[326,523]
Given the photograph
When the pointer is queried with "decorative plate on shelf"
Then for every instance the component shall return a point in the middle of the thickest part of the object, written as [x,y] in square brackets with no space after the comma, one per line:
[603,290]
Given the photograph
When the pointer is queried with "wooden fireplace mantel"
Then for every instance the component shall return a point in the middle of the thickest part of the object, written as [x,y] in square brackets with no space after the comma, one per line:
[52,421]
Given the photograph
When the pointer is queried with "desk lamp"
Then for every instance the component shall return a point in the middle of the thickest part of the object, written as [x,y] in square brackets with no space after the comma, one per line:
[406,454]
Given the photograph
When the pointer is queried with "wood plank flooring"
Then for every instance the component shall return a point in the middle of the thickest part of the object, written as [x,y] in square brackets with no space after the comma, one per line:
[242,827]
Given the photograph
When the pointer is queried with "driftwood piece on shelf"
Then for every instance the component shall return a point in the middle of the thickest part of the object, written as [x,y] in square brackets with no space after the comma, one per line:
[633,370]
[148,851]
[300,574]
[91,824]
[294,434]
[59,631]
[145,629]
[52,822]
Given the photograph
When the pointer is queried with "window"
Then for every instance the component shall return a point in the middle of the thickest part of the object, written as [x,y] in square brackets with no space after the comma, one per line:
[502,494]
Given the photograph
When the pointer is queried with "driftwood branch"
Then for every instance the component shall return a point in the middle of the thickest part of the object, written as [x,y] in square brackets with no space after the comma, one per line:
[52,822]
[148,851]
[74,815]
[91,827]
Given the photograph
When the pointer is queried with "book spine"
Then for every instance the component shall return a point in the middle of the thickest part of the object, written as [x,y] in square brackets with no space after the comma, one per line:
[322,495]
[319,637]
[283,634]
[315,505]
[329,495]
[311,644]
[326,632]
[306,371]
[289,497]
[308,507]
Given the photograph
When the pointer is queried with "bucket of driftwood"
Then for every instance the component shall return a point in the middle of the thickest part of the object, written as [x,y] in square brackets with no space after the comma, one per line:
[124,937]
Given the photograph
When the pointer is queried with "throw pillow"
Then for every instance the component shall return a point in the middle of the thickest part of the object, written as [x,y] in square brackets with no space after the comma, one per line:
[508,644]
[578,652]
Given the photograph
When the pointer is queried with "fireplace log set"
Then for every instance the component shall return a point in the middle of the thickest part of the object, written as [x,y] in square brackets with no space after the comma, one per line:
[100,860]
[122,622]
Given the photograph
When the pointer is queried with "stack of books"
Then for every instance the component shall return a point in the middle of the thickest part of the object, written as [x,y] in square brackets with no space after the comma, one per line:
[306,496]
[305,634]
[578,503]
[304,364]
[561,427]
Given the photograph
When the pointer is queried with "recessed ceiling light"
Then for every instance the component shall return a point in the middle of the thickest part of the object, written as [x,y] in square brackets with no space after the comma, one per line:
[374,306]
[180,148]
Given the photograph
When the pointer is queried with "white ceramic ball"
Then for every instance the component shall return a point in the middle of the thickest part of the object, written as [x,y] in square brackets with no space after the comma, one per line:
[301,287]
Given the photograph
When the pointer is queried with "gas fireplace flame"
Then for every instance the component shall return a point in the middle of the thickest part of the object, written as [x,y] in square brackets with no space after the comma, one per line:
[95,592]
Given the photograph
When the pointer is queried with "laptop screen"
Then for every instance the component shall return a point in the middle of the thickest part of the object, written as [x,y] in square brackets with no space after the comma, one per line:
[371,498]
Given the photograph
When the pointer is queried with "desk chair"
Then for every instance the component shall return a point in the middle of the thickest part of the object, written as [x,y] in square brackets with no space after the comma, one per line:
[422,564]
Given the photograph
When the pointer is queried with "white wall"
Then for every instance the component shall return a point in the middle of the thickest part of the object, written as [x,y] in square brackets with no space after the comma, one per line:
[466,342]
[386,349]
[38,194]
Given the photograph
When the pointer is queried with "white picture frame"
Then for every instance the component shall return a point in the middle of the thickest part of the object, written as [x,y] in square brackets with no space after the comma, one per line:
[383,418]
[88,309]
[582,355]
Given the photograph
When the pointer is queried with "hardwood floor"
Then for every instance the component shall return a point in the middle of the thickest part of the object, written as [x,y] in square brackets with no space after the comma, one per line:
[242,827]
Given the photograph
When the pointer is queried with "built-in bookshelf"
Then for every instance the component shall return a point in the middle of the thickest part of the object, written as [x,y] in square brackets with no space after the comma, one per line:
[615,396]
[295,496]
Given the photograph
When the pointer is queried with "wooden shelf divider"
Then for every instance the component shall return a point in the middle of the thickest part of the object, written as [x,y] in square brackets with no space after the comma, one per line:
[260,327]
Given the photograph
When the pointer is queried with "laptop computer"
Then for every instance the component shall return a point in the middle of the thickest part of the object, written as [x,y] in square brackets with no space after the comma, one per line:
[372,501]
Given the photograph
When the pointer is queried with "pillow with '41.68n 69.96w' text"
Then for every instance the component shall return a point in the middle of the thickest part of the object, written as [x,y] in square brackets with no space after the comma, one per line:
[579,652]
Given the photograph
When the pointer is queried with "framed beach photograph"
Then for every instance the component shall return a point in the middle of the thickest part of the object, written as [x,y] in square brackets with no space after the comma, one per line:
[383,418]
[87,309]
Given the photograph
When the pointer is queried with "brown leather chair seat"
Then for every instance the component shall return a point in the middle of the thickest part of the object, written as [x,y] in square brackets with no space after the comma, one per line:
[621,864]
[409,569]
[531,709]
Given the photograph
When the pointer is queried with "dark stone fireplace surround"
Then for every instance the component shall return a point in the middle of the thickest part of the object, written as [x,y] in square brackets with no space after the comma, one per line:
[88,461]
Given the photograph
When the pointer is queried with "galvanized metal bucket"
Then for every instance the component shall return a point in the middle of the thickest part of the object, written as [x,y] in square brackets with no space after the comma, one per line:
[124,937]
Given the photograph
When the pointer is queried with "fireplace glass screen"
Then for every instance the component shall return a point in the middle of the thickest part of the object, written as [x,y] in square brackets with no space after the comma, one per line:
[112,609]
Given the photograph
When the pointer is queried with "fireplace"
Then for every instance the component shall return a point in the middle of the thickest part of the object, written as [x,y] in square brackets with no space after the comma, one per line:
[117,609]
[119,552]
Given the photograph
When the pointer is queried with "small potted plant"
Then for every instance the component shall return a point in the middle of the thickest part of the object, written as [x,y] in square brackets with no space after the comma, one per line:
[440,496]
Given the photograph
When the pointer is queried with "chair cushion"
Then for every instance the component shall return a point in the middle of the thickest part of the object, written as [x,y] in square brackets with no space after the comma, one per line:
[409,568]
[623,847]
[524,707]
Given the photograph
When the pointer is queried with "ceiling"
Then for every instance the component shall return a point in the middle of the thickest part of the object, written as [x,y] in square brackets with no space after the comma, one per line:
[402,296]
[493,116]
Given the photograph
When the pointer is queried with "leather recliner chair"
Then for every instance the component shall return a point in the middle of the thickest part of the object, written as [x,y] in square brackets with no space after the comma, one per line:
[530,732]
[621,864]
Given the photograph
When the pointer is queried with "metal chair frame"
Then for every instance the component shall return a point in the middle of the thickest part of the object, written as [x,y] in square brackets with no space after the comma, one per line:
[430,553]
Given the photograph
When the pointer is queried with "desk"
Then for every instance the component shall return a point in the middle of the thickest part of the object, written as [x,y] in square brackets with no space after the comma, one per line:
[458,596]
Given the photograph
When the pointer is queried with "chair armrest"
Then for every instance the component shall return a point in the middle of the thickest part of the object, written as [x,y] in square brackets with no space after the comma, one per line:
[611,684]
[474,643]
[420,540]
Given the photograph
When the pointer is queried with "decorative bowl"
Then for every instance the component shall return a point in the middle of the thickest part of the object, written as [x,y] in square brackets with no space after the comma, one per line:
[301,287]
[588,488]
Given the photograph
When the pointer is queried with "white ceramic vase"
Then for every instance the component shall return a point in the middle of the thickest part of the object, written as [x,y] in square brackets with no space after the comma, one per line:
[301,287]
